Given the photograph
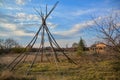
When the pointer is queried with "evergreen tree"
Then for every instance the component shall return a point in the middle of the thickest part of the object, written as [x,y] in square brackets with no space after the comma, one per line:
[81,47]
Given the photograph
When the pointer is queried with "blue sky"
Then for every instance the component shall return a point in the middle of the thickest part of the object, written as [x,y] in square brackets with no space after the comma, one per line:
[69,21]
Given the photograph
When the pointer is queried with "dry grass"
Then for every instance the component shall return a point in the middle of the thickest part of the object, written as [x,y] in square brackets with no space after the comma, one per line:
[89,67]
[7,75]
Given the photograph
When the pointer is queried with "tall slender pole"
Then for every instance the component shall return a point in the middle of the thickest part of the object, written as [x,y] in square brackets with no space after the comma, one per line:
[42,43]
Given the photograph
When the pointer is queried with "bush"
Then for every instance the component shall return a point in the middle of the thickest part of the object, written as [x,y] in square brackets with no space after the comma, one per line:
[80,52]
[17,50]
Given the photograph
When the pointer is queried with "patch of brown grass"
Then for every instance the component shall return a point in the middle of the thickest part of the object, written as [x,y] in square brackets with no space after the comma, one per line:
[7,75]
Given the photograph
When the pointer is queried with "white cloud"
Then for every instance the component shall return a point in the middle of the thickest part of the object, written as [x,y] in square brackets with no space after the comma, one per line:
[13,8]
[51,25]
[20,2]
[20,15]
[24,16]
[76,28]
[32,17]
[118,24]
[4,4]
[13,30]
[3,34]
[8,26]
[82,12]
[22,33]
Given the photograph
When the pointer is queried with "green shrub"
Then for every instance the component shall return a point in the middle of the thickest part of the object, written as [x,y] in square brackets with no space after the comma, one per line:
[17,50]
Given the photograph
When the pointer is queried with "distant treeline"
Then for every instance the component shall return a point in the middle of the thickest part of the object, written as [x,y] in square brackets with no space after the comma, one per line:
[10,45]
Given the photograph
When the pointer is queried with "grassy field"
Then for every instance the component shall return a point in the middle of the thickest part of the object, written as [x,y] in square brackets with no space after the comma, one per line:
[89,67]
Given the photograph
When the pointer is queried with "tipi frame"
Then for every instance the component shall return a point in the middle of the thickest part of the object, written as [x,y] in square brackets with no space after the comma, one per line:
[43,30]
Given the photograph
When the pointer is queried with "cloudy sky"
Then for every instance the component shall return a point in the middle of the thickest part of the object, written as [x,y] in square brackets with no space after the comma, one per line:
[69,21]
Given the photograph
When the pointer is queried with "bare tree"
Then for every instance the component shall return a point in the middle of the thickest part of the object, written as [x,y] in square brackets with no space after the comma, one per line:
[10,43]
[74,45]
[108,28]
[1,44]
